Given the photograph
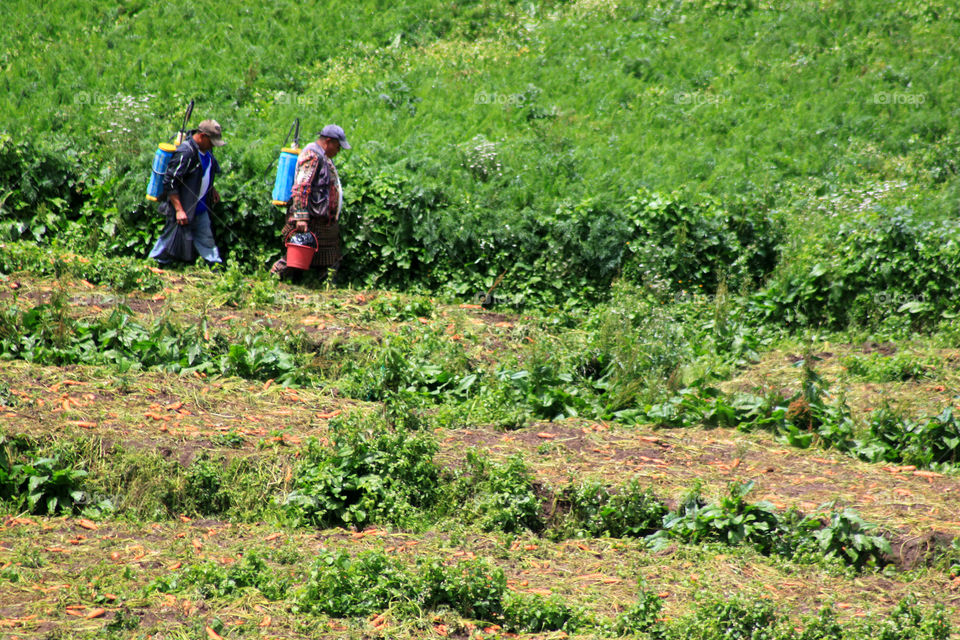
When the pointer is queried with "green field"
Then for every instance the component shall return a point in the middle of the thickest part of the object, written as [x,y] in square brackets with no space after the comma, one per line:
[710,391]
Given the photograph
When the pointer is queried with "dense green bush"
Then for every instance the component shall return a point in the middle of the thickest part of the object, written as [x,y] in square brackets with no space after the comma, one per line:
[211,580]
[499,496]
[364,475]
[625,511]
[343,586]
[880,269]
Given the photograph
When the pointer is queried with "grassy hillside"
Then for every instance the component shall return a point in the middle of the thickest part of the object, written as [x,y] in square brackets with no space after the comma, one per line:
[535,137]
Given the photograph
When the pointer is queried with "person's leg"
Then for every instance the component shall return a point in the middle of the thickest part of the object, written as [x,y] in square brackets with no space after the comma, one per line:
[203,239]
[159,251]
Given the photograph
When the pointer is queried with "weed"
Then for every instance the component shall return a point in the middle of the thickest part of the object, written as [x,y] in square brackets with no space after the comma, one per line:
[365,475]
[210,580]
[341,586]
[627,511]
[204,487]
[847,536]
[43,485]
[644,616]
[500,497]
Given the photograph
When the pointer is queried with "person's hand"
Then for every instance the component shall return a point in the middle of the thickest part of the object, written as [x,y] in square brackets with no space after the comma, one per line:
[181,217]
[214,196]
[301,226]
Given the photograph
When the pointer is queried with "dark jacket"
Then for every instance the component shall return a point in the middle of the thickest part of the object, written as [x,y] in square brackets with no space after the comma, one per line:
[184,176]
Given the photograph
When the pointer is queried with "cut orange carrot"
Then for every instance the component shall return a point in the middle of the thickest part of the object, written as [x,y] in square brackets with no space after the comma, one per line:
[546,436]
[87,524]
[212,635]
[96,613]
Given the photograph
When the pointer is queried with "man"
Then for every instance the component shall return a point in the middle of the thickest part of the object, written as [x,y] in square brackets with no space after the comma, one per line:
[315,201]
[188,194]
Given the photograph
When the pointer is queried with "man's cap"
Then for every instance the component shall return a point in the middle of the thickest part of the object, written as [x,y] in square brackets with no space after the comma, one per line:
[211,129]
[336,132]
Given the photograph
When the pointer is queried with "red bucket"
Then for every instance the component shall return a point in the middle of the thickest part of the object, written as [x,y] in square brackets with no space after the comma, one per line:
[300,256]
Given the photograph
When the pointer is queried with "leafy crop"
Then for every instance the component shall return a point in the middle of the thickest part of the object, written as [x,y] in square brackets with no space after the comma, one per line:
[42,484]
[344,586]
[50,336]
[626,511]
[210,580]
[364,475]
[847,536]
[500,496]
[732,520]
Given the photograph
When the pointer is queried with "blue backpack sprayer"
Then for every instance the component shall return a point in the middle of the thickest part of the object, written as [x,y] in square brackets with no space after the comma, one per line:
[302,246]
[287,166]
[162,157]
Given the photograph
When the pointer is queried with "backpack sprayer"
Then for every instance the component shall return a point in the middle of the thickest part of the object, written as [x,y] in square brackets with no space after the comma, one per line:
[162,157]
[287,166]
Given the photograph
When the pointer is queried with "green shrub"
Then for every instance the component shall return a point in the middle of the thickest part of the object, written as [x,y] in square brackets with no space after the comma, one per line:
[627,511]
[644,616]
[535,614]
[847,537]
[211,580]
[732,520]
[364,475]
[880,368]
[40,484]
[908,622]
[690,245]
[205,486]
[733,619]
[341,586]
[882,268]
[472,588]
[501,497]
